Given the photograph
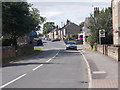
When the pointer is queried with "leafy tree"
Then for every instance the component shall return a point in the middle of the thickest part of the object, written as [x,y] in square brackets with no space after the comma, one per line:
[48,26]
[103,20]
[18,19]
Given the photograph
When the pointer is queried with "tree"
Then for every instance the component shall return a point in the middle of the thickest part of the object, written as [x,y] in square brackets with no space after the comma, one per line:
[47,27]
[103,20]
[19,20]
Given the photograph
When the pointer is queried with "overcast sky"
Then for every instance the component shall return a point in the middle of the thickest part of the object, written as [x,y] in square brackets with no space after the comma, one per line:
[74,10]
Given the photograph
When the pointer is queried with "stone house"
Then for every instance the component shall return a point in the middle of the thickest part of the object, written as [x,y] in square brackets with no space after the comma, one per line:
[86,31]
[116,21]
[71,28]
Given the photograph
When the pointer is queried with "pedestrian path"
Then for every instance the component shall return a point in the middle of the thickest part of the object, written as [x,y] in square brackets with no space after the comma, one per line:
[104,70]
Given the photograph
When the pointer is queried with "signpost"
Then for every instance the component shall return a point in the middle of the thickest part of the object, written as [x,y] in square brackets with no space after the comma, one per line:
[101,34]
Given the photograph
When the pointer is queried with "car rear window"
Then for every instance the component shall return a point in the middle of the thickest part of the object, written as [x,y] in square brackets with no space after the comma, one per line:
[71,43]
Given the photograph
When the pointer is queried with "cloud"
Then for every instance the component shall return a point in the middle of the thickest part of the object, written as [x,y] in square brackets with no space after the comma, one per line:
[51,14]
[61,11]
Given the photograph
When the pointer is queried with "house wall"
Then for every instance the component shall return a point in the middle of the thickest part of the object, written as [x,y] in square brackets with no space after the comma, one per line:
[86,31]
[116,21]
[51,35]
[72,28]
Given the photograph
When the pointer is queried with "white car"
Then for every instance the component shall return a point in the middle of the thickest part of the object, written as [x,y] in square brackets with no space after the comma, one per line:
[71,45]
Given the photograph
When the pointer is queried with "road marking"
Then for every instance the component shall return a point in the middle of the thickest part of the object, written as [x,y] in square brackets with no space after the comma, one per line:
[38,67]
[98,72]
[49,60]
[53,57]
[46,61]
[89,71]
[13,81]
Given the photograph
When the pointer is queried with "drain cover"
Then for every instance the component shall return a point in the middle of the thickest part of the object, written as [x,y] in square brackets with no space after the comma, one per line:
[84,82]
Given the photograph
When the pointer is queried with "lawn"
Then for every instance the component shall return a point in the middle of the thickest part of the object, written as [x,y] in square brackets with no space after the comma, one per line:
[37,48]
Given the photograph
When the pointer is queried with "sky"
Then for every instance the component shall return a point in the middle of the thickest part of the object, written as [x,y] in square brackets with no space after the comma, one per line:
[59,11]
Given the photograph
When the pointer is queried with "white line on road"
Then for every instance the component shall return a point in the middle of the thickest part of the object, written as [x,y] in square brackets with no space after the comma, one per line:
[49,60]
[53,57]
[57,54]
[13,81]
[98,72]
[38,67]
[46,61]
[89,71]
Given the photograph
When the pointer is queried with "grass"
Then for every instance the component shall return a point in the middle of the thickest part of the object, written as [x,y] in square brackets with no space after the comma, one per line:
[37,48]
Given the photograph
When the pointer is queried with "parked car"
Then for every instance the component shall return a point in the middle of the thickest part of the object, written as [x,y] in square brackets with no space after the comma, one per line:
[71,45]
[38,41]
[55,40]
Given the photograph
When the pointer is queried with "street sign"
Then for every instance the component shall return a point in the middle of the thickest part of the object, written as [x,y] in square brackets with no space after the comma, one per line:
[102,33]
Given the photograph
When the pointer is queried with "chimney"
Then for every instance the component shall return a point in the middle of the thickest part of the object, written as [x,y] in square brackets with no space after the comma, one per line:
[68,21]
[96,11]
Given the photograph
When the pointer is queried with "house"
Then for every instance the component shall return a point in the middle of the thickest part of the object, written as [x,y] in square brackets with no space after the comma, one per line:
[116,21]
[71,28]
[86,31]
[55,33]
[66,31]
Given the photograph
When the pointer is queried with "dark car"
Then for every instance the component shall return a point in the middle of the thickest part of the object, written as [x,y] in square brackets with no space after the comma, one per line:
[38,41]
[71,45]
[55,40]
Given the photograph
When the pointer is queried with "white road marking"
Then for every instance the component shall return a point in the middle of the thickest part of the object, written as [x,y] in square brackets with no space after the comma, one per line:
[26,74]
[13,81]
[38,67]
[49,60]
[53,57]
[57,54]
[98,72]
[89,70]
[46,61]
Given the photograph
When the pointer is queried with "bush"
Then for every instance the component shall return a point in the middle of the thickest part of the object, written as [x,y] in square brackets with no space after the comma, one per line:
[7,42]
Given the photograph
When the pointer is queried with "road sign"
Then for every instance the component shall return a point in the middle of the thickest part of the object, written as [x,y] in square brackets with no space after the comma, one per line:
[102,33]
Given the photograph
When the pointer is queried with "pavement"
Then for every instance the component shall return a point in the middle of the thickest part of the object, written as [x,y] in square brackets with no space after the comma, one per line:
[104,70]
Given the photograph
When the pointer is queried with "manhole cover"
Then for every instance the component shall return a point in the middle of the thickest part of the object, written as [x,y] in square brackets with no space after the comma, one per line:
[84,82]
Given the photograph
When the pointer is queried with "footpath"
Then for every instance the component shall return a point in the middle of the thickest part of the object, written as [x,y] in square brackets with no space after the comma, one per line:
[104,70]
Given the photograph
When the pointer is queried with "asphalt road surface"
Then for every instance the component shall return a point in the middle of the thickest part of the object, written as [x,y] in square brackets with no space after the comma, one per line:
[53,67]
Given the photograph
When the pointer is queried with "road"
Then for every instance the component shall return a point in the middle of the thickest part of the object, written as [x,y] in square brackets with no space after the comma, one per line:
[53,67]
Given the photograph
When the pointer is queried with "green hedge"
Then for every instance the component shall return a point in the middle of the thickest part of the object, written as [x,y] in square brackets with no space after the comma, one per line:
[7,42]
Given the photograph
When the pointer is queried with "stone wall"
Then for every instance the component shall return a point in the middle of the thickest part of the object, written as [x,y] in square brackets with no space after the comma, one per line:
[24,49]
[111,51]
[8,52]
[114,52]
[87,46]
[100,48]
